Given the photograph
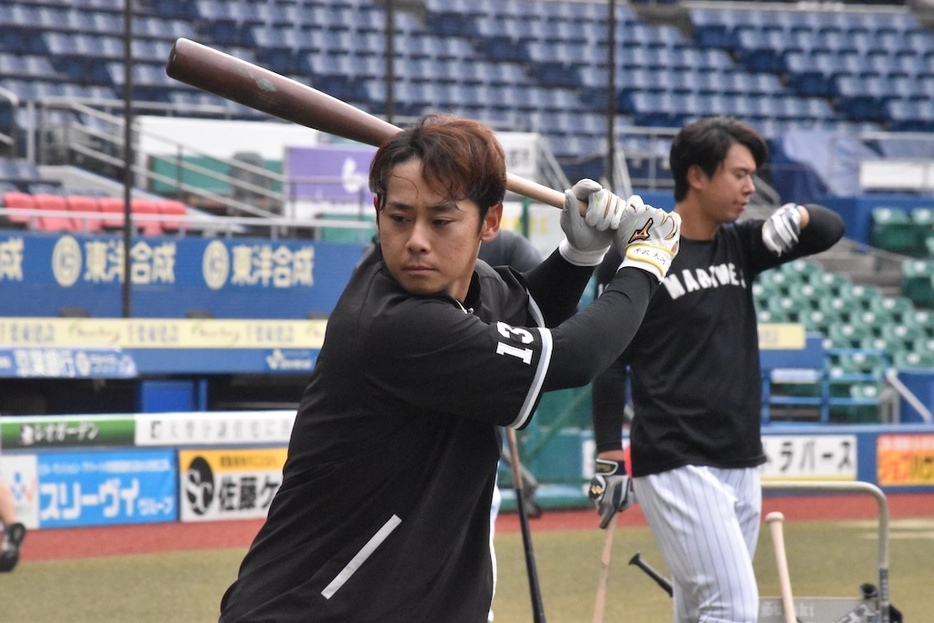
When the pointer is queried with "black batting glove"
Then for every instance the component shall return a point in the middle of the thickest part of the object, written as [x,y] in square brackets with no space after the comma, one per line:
[610,489]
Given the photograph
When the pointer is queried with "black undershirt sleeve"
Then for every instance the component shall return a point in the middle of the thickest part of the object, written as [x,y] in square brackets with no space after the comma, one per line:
[608,399]
[586,344]
[549,282]
[825,228]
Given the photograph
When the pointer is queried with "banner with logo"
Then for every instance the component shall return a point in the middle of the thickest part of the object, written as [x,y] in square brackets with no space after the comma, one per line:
[45,274]
[106,488]
[228,484]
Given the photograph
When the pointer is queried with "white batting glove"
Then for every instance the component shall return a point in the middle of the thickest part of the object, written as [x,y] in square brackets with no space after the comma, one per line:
[648,238]
[780,232]
[588,237]
[610,489]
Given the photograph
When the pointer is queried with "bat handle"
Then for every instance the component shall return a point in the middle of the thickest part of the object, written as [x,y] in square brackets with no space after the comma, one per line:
[774,520]
[540,193]
[652,573]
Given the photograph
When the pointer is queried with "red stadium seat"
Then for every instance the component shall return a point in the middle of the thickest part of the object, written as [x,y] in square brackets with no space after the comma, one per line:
[171,207]
[112,208]
[53,222]
[144,208]
[18,201]
[84,204]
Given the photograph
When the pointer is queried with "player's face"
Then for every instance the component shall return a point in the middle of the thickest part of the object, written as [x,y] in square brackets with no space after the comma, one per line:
[430,243]
[724,195]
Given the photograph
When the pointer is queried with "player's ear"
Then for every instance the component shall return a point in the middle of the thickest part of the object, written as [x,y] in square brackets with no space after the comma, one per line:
[491,223]
[696,177]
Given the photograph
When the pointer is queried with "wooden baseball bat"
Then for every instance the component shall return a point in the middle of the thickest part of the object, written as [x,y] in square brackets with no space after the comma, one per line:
[775,520]
[535,590]
[261,89]
[603,581]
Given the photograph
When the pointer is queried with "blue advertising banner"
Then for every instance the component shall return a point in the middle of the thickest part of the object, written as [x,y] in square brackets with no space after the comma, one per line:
[107,488]
[43,274]
[66,363]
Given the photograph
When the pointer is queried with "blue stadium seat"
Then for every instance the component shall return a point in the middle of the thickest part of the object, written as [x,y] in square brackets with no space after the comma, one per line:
[910,115]
[712,28]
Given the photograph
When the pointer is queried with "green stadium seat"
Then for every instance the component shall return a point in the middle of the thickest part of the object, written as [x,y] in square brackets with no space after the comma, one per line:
[817,320]
[837,307]
[861,404]
[787,307]
[893,230]
[913,360]
[923,217]
[774,282]
[907,334]
[847,335]
[923,318]
[852,363]
[873,320]
[833,282]
[766,315]
[802,269]
[895,307]
[918,281]
[859,296]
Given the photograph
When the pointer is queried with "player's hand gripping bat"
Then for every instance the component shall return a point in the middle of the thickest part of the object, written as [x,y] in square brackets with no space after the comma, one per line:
[264,90]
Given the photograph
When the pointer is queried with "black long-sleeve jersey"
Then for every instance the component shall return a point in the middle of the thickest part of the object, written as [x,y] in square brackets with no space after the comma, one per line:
[694,364]
[384,509]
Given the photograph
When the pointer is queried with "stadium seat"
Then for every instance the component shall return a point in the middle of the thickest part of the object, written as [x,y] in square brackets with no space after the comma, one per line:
[918,281]
[897,308]
[913,360]
[53,222]
[893,230]
[113,213]
[144,208]
[923,217]
[860,403]
[14,201]
[85,205]
[173,208]
[847,335]
[903,337]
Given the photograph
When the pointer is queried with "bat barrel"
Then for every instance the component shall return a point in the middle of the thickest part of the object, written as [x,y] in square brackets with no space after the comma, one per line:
[261,89]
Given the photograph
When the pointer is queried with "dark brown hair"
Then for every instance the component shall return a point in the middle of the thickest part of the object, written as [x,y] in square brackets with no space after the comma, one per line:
[461,159]
[705,143]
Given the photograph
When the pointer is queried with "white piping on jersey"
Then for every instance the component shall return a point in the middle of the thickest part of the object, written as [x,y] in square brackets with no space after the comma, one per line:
[357,561]
[536,387]
[547,348]
[536,312]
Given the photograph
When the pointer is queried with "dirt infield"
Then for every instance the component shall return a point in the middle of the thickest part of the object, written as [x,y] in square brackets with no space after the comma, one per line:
[136,539]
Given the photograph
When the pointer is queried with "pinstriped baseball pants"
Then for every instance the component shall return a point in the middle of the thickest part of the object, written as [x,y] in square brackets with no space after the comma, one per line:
[705,521]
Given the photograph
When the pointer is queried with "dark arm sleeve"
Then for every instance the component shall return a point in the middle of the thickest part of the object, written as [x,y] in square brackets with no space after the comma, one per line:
[586,344]
[609,399]
[825,228]
[550,284]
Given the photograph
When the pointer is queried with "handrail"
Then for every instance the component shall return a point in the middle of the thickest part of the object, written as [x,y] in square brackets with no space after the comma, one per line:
[891,375]
[199,221]
[13,139]
[832,486]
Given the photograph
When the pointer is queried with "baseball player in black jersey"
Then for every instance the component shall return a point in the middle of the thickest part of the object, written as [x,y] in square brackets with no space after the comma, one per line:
[384,509]
[695,438]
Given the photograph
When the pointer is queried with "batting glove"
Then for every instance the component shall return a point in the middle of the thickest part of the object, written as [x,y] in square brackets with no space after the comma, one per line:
[780,231]
[648,239]
[610,489]
[588,237]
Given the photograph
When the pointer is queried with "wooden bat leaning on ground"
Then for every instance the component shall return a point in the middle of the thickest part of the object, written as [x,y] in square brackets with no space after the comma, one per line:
[261,89]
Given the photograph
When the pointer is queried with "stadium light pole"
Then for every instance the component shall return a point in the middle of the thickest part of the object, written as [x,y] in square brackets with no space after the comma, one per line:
[390,59]
[127,149]
[611,95]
